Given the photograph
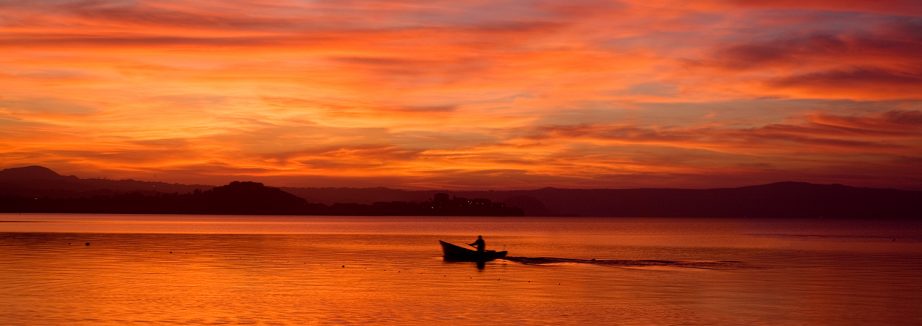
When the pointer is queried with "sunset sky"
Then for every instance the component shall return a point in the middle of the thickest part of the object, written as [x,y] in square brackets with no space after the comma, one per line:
[466,94]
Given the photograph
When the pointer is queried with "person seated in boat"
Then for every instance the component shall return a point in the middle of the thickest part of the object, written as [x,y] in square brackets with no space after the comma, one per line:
[479,243]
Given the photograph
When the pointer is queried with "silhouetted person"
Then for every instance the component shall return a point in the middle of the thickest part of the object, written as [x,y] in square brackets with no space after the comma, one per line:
[479,243]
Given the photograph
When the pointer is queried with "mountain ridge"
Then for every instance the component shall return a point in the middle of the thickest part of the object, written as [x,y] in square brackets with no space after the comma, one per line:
[778,199]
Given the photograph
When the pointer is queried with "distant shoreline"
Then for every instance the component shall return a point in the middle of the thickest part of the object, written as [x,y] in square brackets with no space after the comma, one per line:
[40,190]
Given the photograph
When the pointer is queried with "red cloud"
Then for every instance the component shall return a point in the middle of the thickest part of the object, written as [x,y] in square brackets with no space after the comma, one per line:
[863,82]
[889,132]
[883,63]
[896,43]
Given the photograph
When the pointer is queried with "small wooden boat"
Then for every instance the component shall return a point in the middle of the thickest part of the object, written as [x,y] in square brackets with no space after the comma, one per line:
[455,253]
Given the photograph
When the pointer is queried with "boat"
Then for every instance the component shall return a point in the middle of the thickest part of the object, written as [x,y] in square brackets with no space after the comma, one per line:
[456,253]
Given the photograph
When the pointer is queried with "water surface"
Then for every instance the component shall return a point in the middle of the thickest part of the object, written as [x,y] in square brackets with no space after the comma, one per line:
[364,270]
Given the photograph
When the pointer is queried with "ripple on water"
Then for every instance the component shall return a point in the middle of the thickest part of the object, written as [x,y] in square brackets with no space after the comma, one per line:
[397,277]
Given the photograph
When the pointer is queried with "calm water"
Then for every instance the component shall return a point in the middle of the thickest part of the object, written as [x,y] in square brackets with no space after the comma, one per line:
[372,270]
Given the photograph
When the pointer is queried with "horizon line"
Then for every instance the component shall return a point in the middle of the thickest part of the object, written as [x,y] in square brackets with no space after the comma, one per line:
[918,188]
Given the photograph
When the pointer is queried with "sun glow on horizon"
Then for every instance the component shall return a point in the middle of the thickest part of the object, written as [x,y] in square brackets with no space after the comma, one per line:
[471,94]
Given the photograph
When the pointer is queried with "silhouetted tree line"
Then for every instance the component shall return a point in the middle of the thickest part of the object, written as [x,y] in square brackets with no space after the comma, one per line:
[39,189]
[246,198]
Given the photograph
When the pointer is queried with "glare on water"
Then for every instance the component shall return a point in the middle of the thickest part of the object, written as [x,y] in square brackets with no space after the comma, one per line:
[97,269]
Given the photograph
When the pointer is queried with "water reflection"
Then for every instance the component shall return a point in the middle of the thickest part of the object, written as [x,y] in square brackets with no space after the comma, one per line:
[614,272]
[480,265]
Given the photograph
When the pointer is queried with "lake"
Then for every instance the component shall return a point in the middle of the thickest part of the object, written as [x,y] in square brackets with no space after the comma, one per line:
[187,269]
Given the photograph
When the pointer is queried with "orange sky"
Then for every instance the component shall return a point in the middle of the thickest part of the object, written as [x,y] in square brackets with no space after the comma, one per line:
[466,94]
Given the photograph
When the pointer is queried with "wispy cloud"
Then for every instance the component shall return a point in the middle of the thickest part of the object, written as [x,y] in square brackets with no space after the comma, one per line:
[497,94]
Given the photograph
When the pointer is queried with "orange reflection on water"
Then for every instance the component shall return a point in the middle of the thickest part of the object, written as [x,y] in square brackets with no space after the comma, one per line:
[336,270]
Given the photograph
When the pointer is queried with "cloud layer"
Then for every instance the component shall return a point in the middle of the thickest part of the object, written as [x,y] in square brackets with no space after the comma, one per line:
[473,94]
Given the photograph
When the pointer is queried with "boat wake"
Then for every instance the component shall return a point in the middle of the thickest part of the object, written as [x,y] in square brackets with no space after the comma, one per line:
[718,264]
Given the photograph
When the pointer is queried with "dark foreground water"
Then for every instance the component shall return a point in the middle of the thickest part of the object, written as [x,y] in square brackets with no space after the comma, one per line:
[374,270]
